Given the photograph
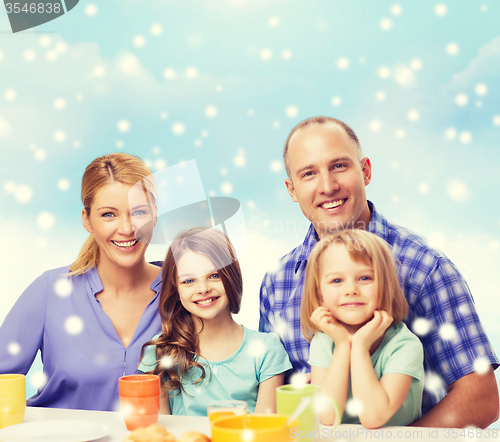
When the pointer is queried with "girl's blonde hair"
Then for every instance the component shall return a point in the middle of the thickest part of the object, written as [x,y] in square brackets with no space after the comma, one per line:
[179,340]
[113,168]
[362,247]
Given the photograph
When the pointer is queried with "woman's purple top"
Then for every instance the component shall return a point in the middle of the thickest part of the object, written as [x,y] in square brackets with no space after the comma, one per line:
[82,355]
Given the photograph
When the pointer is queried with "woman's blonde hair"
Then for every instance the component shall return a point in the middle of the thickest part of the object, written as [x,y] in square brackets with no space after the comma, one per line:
[179,340]
[362,247]
[113,168]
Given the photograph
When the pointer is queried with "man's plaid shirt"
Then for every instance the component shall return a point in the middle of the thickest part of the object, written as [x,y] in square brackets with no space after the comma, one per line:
[433,287]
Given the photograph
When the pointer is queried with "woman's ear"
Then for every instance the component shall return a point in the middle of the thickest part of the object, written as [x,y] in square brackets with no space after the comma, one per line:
[86,222]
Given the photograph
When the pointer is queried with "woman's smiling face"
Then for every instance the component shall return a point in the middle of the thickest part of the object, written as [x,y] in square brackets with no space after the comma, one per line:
[122,222]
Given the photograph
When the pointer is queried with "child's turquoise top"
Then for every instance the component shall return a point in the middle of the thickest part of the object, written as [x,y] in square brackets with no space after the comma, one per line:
[260,357]
[399,352]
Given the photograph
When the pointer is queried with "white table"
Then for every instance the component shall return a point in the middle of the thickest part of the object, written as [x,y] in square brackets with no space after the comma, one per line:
[178,425]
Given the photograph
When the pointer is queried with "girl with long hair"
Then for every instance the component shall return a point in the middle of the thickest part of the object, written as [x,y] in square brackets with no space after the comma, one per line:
[203,354]
[362,355]
[90,319]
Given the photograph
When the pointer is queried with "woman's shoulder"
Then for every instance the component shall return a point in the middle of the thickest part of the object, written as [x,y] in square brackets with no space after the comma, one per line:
[53,284]
[58,271]
[51,276]
[61,282]
[64,273]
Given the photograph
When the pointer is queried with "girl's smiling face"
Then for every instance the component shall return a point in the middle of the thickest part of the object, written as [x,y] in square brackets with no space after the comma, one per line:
[200,286]
[348,288]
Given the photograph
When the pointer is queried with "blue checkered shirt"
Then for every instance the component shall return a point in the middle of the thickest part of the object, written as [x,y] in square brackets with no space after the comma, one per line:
[433,287]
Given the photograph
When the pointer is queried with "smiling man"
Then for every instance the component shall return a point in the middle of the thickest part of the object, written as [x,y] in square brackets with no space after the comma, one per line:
[327,175]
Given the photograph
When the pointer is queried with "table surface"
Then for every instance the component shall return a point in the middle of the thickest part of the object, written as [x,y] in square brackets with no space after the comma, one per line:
[178,425]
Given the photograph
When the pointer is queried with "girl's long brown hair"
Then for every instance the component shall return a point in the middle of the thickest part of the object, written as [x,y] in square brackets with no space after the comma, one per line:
[179,340]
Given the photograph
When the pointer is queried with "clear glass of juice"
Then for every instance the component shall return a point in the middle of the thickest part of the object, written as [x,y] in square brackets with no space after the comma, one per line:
[220,409]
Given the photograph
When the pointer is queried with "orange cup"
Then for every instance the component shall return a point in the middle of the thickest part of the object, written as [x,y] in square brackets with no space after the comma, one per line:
[139,400]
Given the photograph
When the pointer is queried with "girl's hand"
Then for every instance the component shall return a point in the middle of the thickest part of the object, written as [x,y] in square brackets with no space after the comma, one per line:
[372,330]
[324,321]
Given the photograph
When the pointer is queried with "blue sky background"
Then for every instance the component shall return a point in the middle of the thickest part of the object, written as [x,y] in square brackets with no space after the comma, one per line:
[223,82]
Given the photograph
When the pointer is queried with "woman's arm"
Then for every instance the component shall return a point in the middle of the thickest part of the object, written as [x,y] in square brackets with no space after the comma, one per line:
[266,398]
[21,332]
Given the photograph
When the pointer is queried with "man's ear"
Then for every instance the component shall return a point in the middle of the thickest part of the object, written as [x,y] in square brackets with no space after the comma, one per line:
[366,166]
[86,222]
[291,190]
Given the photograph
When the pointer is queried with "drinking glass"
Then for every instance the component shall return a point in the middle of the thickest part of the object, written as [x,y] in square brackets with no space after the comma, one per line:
[12,399]
[218,409]
[289,396]
[139,400]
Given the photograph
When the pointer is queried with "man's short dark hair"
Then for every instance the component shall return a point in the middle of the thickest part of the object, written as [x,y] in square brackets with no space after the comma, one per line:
[317,121]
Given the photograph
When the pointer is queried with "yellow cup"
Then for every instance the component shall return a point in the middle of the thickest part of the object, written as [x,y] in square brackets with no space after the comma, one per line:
[12,399]
[254,427]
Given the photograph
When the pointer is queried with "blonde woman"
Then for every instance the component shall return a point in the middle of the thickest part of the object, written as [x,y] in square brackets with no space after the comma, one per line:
[90,319]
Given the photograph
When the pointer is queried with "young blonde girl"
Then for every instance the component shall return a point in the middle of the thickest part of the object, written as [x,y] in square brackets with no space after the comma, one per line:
[202,354]
[362,355]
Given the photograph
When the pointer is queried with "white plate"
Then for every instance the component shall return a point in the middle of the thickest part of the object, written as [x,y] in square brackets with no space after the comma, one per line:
[54,431]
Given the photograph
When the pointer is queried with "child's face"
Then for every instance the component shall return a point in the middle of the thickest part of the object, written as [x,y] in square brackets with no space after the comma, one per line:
[348,287]
[200,287]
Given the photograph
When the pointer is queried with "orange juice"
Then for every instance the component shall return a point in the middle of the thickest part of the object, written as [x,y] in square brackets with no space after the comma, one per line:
[218,414]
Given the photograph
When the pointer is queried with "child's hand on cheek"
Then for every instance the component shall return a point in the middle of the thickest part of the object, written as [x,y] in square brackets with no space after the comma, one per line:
[372,330]
[324,321]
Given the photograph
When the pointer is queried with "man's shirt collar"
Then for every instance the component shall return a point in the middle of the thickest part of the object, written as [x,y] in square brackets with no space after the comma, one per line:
[377,225]
[310,241]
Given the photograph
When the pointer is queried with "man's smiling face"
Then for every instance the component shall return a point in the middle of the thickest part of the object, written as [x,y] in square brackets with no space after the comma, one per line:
[327,179]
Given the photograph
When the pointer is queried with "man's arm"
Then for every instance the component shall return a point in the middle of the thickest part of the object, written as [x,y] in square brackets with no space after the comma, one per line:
[472,400]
